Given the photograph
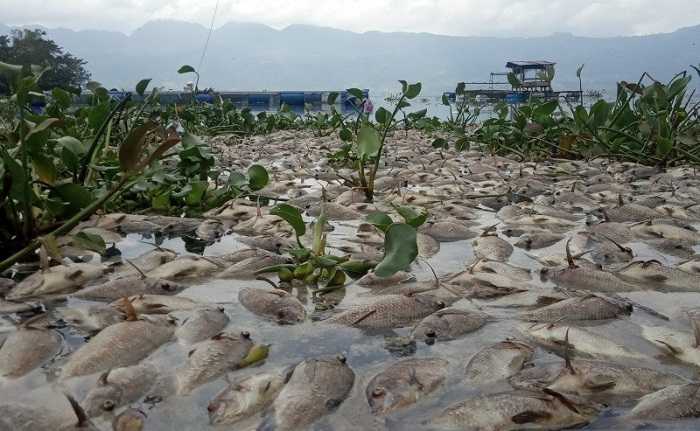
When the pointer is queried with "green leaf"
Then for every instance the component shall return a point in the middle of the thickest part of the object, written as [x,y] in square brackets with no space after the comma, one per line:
[445,100]
[90,241]
[291,215]
[380,219]
[382,116]
[600,111]
[440,143]
[319,238]
[356,268]
[400,249]
[93,85]
[141,86]
[196,194]
[237,180]
[462,144]
[404,85]
[332,97]
[345,135]
[61,97]
[186,69]
[513,80]
[10,70]
[411,216]
[257,177]
[579,70]
[77,196]
[545,109]
[41,127]
[460,88]
[44,168]
[413,90]
[161,201]
[367,142]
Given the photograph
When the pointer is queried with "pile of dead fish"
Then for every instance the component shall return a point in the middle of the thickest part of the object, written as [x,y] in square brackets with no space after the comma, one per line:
[589,270]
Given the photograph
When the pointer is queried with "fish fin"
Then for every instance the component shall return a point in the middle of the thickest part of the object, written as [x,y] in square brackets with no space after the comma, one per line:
[78,410]
[567,353]
[133,265]
[75,274]
[363,317]
[102,380]
[657,278]
[561,398]
[674,351]
[696,334]
[128,308]
[530,416]
[569,258]
[600,386]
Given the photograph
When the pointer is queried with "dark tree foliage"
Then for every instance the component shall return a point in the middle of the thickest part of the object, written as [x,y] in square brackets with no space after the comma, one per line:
[27,47]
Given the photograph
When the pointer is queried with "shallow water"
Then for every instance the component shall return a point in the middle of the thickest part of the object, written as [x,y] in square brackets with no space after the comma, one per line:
[367,353]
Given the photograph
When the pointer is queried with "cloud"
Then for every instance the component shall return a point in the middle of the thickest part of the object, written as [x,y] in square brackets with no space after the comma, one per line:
[453,17]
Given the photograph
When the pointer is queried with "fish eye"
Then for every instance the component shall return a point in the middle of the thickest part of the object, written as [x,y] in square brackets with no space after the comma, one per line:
[245,334]
[108,405]
[441,304]
[431,334]
[212,407]
[377,392]
[341,358]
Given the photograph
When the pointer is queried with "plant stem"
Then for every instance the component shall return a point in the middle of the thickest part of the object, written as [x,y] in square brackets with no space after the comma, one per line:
[28,216]
[369,192]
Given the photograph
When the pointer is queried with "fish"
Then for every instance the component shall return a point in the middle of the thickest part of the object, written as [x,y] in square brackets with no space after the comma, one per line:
[209,230]
[119,345]
[447,231]
[266,224]
[679,344]
[371,279]
[653,272]
[628,213]
[129,420]
[532,410]
[271,243]
[6,284]
[404,383]
[485,285]
[92,318]
[535,241]
[334,211]
[211,359]
[246,397]
[10,307]
[26,349]
[491,247]
[184,267]
[587,307]
[247,268]
[159,304]
[498,361]
[571,338]
[603,378]
[591,279]
[59,279]
[119,387]
[504,269]
[275,304]
[316,387]
[129,286]
[390,311]
[202,323]
[618,232]
[672,402]
[427,245]
[143,263]
[448,324]
[666,231]
[35,417]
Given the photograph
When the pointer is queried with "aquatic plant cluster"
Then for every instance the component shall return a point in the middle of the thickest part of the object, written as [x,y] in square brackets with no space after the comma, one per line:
[197,266]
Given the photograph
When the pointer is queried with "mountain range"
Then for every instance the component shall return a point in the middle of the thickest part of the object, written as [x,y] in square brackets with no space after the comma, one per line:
[248,56]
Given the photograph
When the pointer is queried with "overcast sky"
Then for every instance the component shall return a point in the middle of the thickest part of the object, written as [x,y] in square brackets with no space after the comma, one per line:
[454,17]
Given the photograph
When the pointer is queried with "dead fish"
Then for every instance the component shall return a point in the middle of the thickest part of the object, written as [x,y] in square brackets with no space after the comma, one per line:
[390,311]
[6,284]
[233,210]
[680,248]
[528,300]
[315,388]
[498,361]
[546,410]
[276,304]
[404,383]
[160,304]
[120,345]
[263,225]
[427,245]
[34,417]
[246,269]
[587,307]
[56,280]
[565,338]
[26,349]
[144,263]
[446,231]
[491,247]
[504,269]
[129,286]
[673,402]
[129,420]
[209,230]
[185,266]
[11,307]
[246,397]
[271,243]
[372,280]
[448,324]
[618,232]
[602,378]
[666,231]
[119,387]
[334,211]
[679,344]
[653,272]
[692,266]
[212,358]
[628,213]
[201,324]
[485,285]
[535,241]
[587,278]
[91,319]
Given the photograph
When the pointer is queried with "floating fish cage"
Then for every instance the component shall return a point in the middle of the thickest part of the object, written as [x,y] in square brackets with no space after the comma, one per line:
[511,97]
